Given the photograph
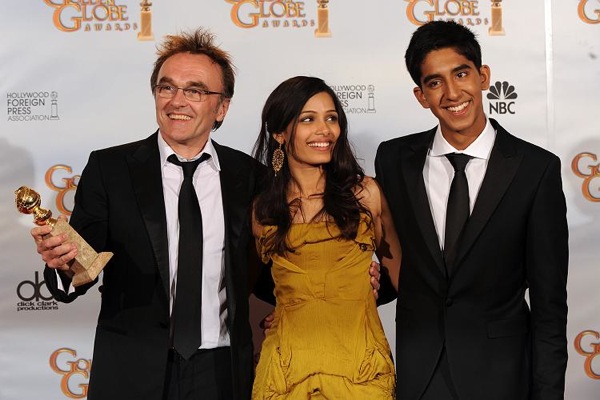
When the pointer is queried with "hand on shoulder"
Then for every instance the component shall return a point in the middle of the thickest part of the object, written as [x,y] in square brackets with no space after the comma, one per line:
[370,196]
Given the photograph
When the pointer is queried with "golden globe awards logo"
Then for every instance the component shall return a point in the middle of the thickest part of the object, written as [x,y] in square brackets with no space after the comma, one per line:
[65,186]
[100,16]
[589,12]
[249,14]
[471,13]
[585,166]
[587,344]
[75,372]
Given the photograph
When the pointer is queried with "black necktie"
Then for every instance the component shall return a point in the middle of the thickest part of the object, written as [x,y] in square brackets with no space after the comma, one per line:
[187,308]
[457,211]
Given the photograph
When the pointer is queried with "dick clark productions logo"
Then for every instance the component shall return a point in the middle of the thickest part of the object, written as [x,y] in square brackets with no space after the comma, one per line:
[34,295]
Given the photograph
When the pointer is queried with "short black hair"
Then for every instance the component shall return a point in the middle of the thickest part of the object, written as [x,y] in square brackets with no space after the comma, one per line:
[437,35]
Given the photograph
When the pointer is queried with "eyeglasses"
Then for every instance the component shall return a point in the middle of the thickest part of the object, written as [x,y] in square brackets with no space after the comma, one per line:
[192,94]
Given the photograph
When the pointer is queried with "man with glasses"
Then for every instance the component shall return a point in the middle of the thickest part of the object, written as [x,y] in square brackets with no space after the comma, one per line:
[130,201]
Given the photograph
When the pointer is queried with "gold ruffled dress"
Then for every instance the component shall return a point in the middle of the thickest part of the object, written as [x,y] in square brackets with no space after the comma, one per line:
[326,341]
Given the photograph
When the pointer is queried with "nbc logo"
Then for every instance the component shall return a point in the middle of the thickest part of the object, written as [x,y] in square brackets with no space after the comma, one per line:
[501,96]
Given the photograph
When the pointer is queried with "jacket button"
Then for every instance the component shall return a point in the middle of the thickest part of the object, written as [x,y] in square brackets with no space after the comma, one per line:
[449,302]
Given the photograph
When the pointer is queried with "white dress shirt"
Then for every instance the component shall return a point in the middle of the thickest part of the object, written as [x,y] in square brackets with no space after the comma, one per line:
[438,173]
[208,189]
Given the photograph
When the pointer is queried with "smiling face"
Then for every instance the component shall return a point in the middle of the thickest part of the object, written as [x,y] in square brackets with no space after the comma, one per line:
[185,125]
[451,87]
[311,138]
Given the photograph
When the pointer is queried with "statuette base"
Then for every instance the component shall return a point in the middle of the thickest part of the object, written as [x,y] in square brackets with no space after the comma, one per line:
[88,264]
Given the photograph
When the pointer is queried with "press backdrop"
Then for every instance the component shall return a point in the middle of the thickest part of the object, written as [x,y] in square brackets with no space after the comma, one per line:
[74,77]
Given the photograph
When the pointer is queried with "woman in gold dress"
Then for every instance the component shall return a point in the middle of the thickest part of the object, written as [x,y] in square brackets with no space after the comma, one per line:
[317,224]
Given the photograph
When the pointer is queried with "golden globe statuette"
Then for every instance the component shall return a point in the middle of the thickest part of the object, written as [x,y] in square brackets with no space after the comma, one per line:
[322,19]
[496,29]
[145,32]
[87,264]
[54,106]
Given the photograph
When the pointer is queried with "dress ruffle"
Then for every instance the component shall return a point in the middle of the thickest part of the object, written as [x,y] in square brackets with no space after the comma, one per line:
[326,338]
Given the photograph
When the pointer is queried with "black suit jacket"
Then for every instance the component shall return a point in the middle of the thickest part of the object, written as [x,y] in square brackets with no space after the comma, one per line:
[498,346]
[119,207]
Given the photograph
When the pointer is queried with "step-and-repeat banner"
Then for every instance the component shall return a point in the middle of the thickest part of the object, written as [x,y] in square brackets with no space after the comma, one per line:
[74,77]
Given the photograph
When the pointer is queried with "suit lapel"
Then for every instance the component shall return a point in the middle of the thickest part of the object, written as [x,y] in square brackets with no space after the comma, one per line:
[502,167]
[412,168]
[146,179]
[234,184]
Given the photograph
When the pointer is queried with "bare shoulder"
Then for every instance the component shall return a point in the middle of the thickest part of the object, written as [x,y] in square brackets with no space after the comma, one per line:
[370,195]
[371,187]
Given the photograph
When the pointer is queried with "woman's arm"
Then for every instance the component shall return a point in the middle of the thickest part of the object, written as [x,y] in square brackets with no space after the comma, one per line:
[262,284]
[388,249]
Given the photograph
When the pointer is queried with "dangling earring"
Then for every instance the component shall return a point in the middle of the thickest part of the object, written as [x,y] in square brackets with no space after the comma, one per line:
[277,160]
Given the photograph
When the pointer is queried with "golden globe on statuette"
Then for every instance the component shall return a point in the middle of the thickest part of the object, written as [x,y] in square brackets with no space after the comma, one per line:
[496,29]
[145,32]
[87,264]
[322,19]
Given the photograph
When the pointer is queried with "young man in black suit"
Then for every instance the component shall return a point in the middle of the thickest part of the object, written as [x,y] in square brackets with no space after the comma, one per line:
[127,203]
[464,327]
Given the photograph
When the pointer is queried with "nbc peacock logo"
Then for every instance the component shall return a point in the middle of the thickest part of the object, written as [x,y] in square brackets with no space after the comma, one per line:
[502,96]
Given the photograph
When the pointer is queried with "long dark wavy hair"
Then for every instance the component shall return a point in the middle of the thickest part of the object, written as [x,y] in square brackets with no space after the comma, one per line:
[343,175]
